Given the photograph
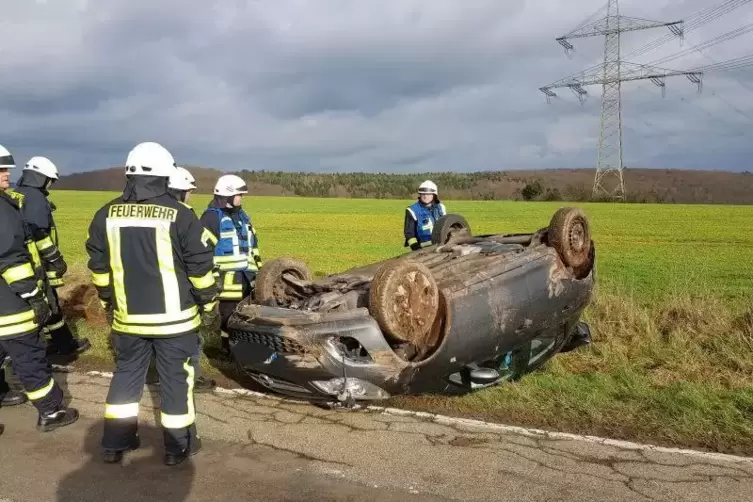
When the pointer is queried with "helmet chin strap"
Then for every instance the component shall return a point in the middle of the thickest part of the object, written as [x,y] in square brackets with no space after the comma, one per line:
[229,202]
[432,201]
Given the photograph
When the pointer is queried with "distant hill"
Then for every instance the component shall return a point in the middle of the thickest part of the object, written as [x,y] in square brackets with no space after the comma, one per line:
[642,185]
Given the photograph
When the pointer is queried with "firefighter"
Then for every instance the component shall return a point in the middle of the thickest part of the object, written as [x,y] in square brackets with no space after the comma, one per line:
[180,185]
[38,175]
[152,266]
[24,311]
[421,216]
[236,247]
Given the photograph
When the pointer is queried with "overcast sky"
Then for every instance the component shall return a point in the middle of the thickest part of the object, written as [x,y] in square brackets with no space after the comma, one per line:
[355,85]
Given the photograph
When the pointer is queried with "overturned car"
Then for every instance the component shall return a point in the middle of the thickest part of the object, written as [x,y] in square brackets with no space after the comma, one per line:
[465,313]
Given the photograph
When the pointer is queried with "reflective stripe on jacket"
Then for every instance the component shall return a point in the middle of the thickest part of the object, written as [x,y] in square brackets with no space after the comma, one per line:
[20,270]
[236,251]
[152,262]
[425,218]
[37,212]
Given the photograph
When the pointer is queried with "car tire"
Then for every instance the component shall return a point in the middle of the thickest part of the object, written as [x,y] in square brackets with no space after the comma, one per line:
[404,300]
[448,227]
[270,288]
[570,235]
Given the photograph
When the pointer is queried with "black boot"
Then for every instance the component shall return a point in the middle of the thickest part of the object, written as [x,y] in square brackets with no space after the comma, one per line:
[172,459]
[12,398]
[59,418]
[68,353]
[115,456]
[81,346]
[76,346]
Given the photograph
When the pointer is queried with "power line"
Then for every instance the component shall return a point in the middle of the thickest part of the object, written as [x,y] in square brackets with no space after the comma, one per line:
[727,139]
[610,74]
[693,22]
[736,63]
[731,76]
[730,35]
[728,65]
[590,19]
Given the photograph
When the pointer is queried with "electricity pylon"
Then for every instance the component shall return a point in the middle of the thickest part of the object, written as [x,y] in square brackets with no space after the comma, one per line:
[610,74]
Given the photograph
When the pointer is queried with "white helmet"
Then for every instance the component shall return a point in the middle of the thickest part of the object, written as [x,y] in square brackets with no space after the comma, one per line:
[42,165]
[428,186]
[181,179]
[150,159]
[229,185]
[6,159]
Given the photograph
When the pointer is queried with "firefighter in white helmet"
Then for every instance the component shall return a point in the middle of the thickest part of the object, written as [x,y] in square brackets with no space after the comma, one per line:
[37,177]
[24,311]
[181,184]
[236,247]
[421,216]
[152,266]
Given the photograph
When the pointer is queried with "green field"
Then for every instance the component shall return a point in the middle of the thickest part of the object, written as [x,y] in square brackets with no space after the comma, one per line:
[647,250]
[673,355]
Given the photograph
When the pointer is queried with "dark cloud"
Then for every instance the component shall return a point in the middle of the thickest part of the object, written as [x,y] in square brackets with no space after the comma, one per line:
[336,85]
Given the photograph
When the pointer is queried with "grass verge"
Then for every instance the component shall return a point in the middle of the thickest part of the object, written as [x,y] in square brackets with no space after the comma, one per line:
[676,373]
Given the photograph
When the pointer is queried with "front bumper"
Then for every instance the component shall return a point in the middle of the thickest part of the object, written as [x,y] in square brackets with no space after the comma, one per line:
[302,355]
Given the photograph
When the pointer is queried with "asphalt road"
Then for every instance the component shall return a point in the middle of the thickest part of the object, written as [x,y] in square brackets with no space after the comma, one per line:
[274,449]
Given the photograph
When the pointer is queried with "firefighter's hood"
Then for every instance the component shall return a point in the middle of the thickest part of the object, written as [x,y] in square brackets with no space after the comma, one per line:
[33,180]
[140,188]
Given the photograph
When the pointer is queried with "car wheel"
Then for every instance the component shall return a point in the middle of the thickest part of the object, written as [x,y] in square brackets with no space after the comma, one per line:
[404,300]
[271,287]
[450,226]
[570,235]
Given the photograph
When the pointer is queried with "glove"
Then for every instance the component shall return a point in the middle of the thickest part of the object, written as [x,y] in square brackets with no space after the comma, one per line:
[59,266]
[51,300]
[210,316]
[107,306]
[42,312]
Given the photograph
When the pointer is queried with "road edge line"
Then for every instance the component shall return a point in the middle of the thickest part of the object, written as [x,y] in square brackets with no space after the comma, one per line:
[510,429]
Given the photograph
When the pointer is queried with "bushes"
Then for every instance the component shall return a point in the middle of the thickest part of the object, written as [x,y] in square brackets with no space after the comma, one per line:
[535,190]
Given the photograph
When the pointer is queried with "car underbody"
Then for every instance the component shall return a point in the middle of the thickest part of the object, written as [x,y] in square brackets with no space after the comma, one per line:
[466,313]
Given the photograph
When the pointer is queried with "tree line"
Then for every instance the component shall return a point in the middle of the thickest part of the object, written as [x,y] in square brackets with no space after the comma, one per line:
[643,185]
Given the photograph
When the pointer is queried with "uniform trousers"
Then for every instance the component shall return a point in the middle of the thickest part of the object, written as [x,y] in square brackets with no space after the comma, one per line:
[227,307]
[61,337]
[29,359]
[176,360]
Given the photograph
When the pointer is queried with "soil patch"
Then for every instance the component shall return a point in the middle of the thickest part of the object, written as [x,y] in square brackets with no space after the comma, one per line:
[79,300]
